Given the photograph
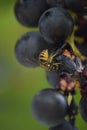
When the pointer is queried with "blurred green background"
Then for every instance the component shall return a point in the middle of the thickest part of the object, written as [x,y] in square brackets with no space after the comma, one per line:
[18,84]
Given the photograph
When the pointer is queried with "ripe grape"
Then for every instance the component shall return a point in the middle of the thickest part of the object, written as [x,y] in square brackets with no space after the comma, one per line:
[78,6]
[65,125]
[82,27]
[83,107]
[56,25]
[28,12]
[75,128]
[28,48]
[52,78]
[54,3]
[49,107]
[84,72]
[82,32]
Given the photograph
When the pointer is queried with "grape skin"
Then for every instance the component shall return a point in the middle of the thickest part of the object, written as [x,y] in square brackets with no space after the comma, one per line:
[52,78]
[28,48]
[56,25]
[28,12]
[65,125]
[83,107]
[82,32]
[49,107]
[78,6]
[54,3]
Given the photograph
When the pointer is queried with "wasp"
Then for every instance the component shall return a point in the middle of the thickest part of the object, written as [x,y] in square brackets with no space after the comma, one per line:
[47,61]
[60,59]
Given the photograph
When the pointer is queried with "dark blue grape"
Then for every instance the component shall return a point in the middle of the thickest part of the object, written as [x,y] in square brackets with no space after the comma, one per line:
[49,107]
[28,48]
[75,128]
[78,6]
[84,72]
[28,12]
[56,25]
[65,125]
[53,78]
[83,107]
[82,32]
[82,27]
[54,3]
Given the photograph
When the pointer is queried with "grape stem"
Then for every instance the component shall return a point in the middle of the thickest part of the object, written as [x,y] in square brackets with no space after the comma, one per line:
[71,41]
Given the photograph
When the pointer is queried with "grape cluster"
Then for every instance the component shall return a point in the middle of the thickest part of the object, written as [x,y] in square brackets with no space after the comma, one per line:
[60,48]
